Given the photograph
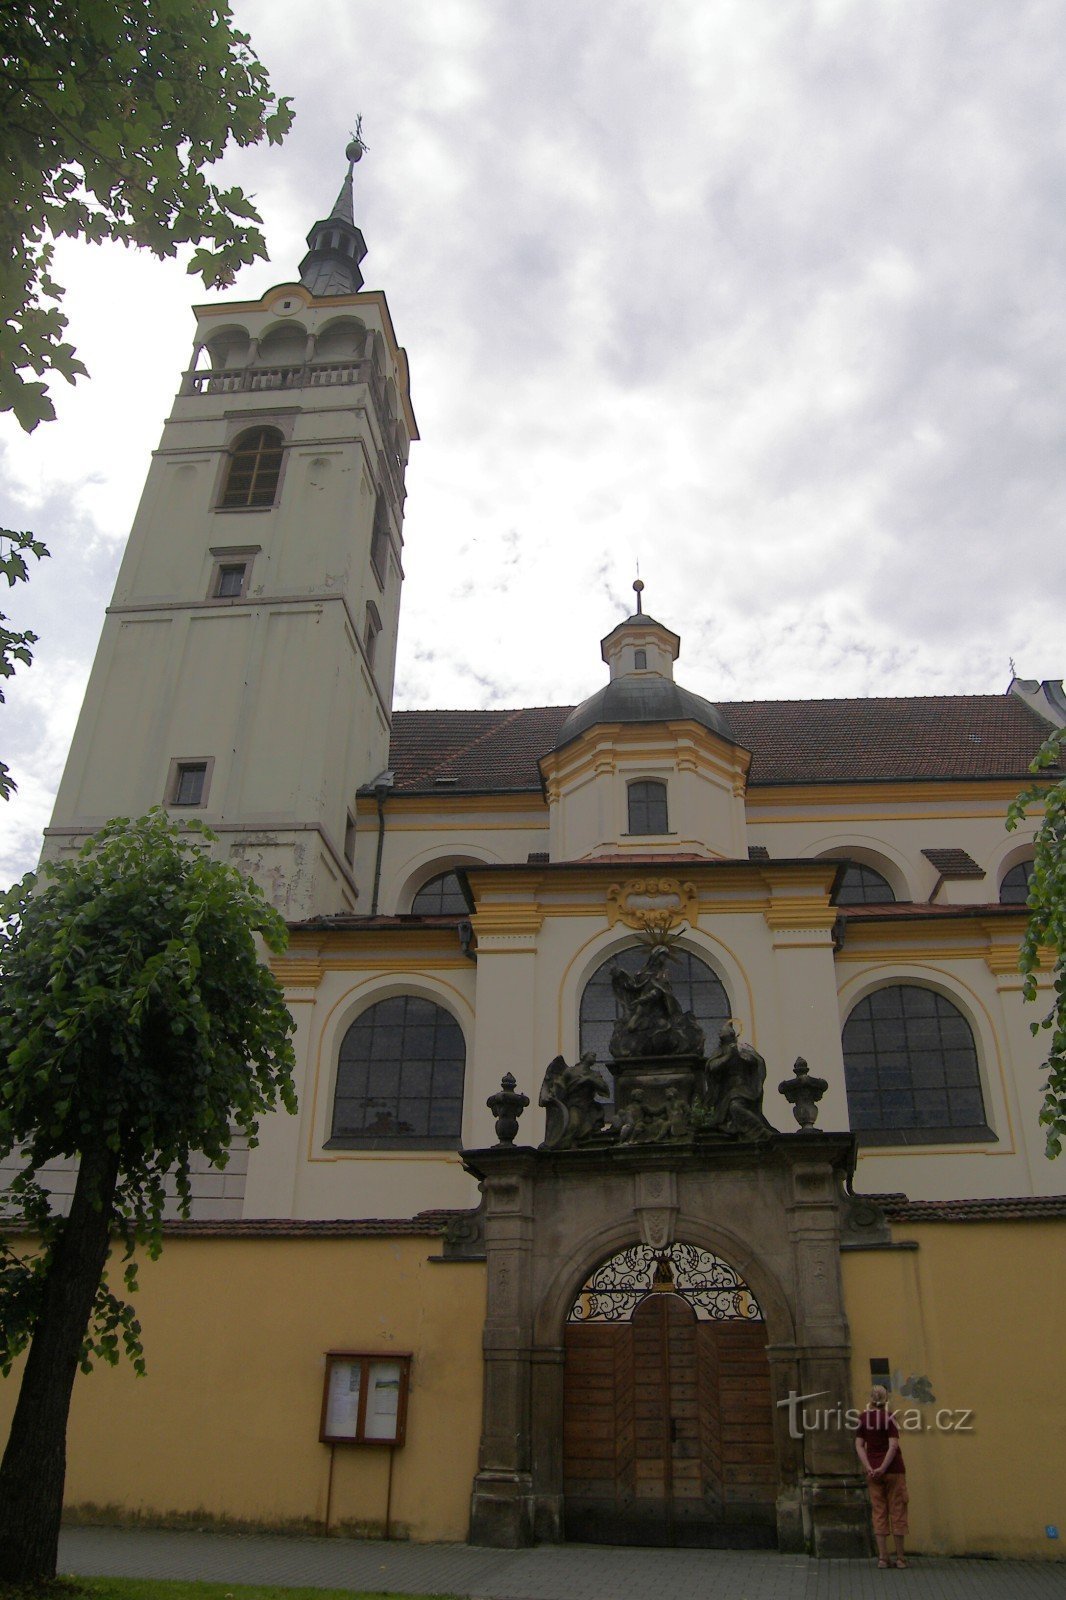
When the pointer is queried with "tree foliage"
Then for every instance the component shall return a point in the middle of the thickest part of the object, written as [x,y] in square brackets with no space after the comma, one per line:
[137,1028]
[111,113]
[14,647]
[1046,928]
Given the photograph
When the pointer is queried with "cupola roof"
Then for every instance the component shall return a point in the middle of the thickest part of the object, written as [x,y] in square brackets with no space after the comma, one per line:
[336,245]
[641,653]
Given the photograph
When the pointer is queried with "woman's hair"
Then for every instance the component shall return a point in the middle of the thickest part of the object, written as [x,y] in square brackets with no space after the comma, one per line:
[879,1395]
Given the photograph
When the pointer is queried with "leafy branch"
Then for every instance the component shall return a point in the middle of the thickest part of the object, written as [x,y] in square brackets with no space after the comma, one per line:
[1045,932]
[15,646]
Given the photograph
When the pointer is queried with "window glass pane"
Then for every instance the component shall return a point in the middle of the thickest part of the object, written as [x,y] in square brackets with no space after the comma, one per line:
[441,895]
[189,790]
[1014,890]
[254,469]
[915,1050]
[647,806]
[230,582]
[400,1074]
[862,886]
[352,1078]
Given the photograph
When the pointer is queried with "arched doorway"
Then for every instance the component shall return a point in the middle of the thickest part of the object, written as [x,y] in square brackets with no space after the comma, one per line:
[668,1419]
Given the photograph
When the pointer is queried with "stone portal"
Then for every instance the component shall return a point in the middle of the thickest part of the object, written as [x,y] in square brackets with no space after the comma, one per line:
[663,1284]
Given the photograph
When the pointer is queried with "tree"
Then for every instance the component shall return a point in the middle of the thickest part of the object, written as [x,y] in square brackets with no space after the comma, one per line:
[14,647]
[1046,928]
[111,112]
[137,1027]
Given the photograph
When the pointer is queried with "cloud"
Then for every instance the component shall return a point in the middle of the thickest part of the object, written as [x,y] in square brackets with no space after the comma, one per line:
[767,298]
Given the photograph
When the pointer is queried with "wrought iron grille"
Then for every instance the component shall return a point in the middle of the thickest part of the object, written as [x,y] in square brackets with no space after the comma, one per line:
[713,1289]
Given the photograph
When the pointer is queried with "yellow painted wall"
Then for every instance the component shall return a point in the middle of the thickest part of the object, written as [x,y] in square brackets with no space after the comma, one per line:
[227,1419]
[980,1309]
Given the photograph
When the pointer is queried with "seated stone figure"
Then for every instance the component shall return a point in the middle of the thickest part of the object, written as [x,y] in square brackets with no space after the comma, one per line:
[735,1075]
[573,1099]
[652,1022]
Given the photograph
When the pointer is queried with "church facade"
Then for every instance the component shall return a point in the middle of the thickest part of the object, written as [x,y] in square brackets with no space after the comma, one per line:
[650,1327]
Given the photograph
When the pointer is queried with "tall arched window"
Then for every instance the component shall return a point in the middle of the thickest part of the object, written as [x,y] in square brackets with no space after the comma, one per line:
[254,469]
[440,896]
[698,989]
[910,1064]
[1014,890]
[647,806]
[400,1078]
[863,886]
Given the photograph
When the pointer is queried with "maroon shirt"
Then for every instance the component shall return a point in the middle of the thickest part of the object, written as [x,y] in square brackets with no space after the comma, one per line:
[875,1430]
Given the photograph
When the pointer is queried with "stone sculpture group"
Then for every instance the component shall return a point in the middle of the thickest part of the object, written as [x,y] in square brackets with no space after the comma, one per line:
[666,1088]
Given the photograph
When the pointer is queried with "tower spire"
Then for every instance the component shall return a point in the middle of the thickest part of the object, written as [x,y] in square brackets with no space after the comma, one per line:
[336,245]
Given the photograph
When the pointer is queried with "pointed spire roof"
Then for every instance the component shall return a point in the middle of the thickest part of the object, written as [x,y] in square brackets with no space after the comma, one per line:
[336,245]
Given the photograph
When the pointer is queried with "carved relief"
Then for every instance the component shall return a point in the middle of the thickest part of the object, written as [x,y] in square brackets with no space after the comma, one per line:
[653,905]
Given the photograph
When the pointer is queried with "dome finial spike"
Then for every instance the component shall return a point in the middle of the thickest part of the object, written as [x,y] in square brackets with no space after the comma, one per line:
[356,144]
[639,589]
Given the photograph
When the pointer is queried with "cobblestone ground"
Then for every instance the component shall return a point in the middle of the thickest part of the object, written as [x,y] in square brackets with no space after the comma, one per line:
[547,1572]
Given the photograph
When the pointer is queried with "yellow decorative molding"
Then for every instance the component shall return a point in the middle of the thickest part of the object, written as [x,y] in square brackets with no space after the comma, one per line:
[655,904]
[450,801]
[294,973]
[831,796]
[493,921]
[812,914]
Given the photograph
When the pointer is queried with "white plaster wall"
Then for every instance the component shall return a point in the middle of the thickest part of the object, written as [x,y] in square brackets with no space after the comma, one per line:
[890,833]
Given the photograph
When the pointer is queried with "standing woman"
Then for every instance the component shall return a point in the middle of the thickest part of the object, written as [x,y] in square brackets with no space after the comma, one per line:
[877,1447]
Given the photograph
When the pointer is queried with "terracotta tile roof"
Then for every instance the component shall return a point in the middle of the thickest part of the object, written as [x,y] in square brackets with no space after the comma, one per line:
[1024,1208]
[792,741]
[921,910]
[427,1224]
[483,749]
[954,863]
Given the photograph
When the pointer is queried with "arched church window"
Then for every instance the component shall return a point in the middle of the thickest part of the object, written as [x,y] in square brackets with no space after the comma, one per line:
[440,896]
[864,886]
[698,989]
[400,1078]
[1014,890]
[254,469]
[910,1065]
[647,806]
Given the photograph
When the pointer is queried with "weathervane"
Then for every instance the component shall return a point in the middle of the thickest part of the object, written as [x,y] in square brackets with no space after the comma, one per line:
[357,144]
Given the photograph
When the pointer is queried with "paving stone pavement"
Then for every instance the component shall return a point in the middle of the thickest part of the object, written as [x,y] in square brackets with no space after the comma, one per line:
[546,1572]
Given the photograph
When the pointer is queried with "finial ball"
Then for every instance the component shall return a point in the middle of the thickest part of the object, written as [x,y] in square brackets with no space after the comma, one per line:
[639,585]
[354,151]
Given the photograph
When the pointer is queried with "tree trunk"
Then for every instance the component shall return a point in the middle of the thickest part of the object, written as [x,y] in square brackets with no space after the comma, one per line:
[35,1462]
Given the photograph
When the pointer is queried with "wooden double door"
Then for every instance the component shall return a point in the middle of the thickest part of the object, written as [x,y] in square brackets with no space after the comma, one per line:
[668,1431]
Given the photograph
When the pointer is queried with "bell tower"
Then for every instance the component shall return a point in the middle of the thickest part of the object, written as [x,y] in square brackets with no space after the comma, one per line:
[245,671]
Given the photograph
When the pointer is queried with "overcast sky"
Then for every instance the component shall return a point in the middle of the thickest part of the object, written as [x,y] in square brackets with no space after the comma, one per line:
[766,295]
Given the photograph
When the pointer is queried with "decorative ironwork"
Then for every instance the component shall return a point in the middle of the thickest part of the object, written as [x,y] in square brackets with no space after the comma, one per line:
[714,1290]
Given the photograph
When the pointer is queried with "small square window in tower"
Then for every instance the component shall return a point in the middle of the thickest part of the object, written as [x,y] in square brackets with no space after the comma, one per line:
[189,783]
[647,806]
[230,582]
